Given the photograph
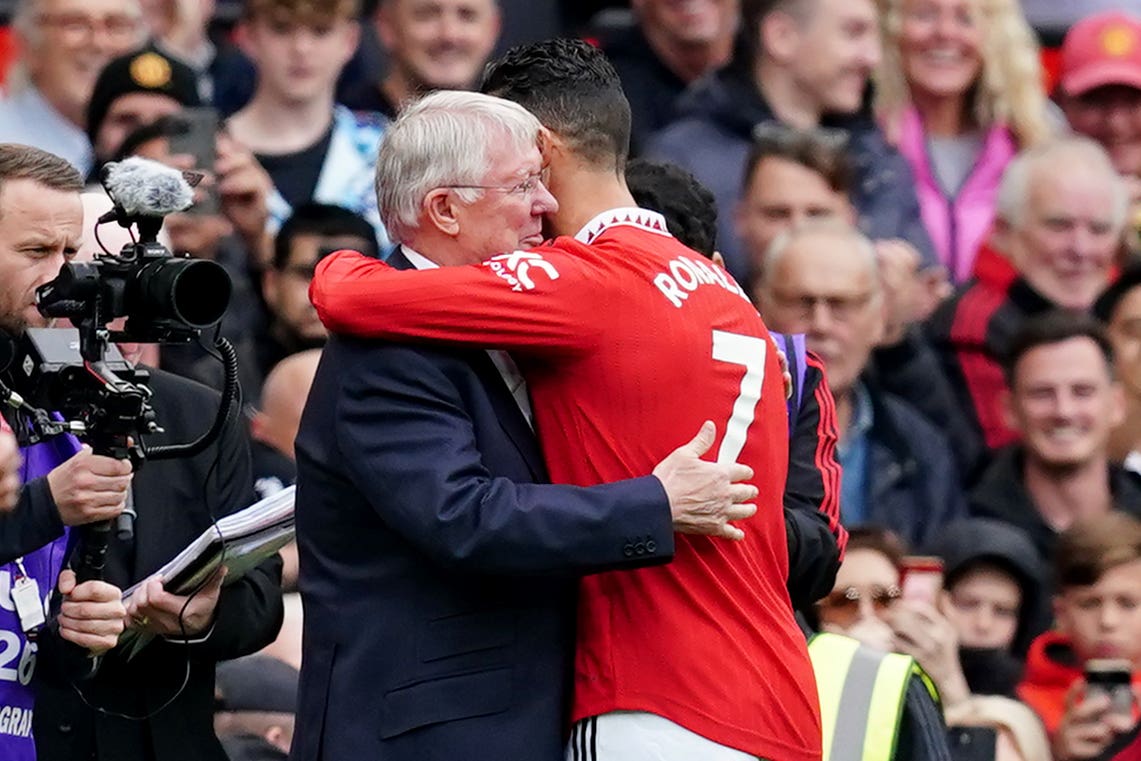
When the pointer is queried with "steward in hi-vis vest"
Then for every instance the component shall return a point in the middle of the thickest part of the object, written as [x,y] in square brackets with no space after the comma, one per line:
[875,706]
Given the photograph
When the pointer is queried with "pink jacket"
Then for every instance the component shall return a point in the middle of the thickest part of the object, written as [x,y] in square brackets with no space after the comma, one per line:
[958,225]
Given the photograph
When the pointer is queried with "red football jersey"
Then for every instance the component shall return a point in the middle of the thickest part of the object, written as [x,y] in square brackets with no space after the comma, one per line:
[629,341]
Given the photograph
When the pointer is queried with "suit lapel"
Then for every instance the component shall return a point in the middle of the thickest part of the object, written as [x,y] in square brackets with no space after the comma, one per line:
[507,411]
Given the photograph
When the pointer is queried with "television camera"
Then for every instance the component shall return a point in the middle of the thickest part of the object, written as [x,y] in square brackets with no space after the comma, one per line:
[80,376]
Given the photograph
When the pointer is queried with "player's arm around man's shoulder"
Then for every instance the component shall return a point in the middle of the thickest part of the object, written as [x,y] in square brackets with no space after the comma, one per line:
[540,301]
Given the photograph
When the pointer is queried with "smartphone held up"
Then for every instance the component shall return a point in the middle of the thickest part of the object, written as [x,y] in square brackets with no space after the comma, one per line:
[195,135]
[1112,677]
[921,578]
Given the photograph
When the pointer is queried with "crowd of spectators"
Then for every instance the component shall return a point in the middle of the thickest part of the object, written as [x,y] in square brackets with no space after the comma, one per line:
[949,211]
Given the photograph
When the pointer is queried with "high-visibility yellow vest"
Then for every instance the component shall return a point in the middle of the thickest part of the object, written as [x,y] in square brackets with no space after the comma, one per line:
[861,696]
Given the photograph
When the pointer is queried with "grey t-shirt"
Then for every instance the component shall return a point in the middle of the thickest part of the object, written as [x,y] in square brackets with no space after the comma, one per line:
[952,159]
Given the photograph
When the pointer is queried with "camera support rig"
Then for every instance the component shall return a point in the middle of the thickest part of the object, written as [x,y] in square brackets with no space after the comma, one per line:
[101,397]
[105,403]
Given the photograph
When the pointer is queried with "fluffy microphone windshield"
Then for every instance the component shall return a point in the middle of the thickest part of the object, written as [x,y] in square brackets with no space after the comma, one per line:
[146,188]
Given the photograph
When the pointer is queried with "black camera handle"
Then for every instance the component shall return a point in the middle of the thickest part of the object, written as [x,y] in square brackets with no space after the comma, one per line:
[91,552]
[95,538]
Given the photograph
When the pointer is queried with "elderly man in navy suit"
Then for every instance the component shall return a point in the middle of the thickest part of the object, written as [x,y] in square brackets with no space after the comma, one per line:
[437,574]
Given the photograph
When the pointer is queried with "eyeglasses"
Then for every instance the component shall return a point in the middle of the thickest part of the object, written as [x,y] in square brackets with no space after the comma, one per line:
[843,605]
[117,26]
[842,308]
[525,188]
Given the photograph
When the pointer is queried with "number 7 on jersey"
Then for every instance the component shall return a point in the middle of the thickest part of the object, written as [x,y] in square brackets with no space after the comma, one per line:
[749,351]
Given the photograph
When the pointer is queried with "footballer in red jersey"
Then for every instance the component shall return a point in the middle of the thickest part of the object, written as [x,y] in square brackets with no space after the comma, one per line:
[627,340]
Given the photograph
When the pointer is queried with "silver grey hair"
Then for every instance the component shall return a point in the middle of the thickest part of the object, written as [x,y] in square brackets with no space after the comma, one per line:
[1051,162]
[842,231]
[443,139]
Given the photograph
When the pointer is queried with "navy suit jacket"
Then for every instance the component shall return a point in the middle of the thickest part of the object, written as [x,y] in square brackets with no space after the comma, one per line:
[438,580]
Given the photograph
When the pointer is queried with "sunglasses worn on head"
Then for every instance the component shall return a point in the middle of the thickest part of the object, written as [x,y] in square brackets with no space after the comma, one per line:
[774,136]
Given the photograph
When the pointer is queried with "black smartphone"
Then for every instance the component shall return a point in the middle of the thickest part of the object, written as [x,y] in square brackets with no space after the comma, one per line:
[972,743]
[196,137]
[1114,678]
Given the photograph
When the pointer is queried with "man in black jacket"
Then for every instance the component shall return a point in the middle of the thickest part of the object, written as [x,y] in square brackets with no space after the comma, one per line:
[1063,400]
[159,705]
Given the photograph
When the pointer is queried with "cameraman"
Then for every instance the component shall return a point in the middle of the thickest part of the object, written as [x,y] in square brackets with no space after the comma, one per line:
[40,217]
[158,705]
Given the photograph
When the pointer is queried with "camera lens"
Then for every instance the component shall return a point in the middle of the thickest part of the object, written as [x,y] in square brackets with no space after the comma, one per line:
[194,292]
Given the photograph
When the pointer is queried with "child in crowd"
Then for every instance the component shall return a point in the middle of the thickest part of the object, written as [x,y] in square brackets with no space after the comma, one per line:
[314,149]
[993,596]
[1097,607]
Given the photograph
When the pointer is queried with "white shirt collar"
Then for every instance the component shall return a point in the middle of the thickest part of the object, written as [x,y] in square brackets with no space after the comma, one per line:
[629,216]
[418,260]
[501,359]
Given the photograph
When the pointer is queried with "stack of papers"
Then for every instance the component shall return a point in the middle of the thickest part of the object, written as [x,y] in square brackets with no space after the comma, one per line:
[240,541]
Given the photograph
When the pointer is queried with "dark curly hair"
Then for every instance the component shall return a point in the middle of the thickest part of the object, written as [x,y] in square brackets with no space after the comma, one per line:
[573,90]
[688,206]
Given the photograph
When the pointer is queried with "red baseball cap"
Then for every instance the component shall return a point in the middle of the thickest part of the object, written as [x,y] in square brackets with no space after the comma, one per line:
[1102,49]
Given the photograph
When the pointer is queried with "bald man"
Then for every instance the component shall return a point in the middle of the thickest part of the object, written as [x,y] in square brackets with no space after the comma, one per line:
[282,399]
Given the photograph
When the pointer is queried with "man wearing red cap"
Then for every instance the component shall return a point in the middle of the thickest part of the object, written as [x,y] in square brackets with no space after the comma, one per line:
[1100,85]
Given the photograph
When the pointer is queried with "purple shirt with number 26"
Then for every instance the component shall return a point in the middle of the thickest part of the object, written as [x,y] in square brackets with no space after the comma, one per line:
[17,654]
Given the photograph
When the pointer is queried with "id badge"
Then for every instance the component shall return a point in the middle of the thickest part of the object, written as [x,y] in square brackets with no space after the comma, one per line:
[29,606]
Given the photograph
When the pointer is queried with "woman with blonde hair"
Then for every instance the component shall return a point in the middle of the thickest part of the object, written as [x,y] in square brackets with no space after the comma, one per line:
[959,90]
